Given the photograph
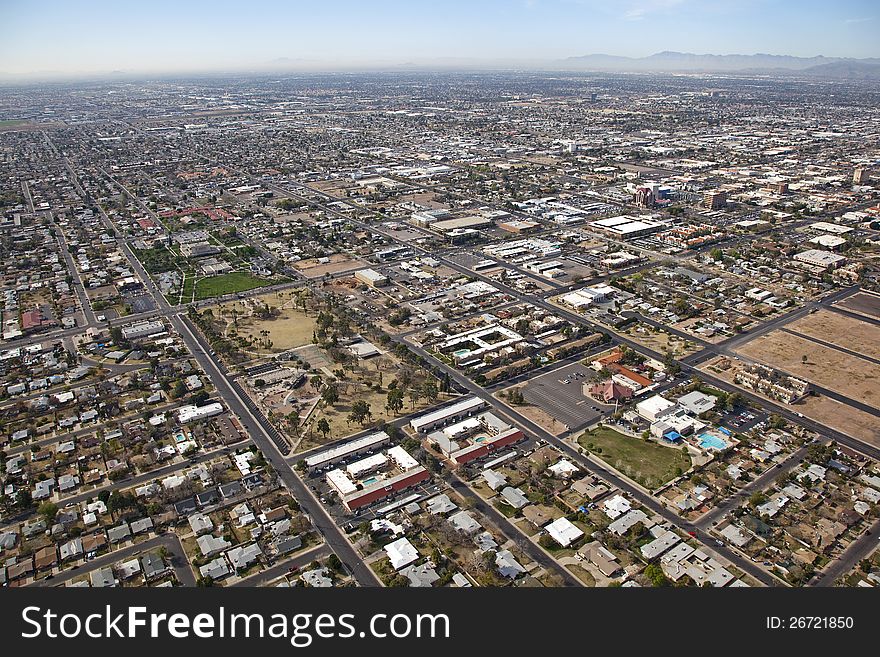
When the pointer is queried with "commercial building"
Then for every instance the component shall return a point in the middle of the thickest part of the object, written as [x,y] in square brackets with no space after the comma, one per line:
[371,277]
[460,409]
[191,413]
[626,227]
[715,199]
[376,477]
[142,330]
[346,450]
[474,437]
[819,260]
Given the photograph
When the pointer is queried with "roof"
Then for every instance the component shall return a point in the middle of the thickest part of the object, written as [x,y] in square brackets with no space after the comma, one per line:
[401,552]
[563,531]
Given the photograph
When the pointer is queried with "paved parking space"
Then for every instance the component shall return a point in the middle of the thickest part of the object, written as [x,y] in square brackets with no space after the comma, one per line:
[565,401]
[141,304]
[741,419]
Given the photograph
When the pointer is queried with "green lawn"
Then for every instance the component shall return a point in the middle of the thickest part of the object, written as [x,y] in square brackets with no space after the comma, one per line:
[646,462]
[217,286]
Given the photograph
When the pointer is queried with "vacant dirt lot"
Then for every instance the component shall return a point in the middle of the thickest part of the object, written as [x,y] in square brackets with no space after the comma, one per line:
[863,302]
[339,262]
[847,419]
[841,330]
[851,376]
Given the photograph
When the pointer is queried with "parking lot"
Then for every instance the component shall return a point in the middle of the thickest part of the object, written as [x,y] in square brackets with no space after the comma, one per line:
[741,419]
[560,394]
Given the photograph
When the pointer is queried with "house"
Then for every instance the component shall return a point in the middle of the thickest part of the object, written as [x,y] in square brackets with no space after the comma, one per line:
[564,532]
[71,549]
[242,557]
[286,545]
[128,569]
[185,507]
[401,553]
[153,565]
[603,559]
[464,522]
[141,525]
[46,557]
[120,533]
[216,569]
[318,578]
[423,575]
[94,542]
[210,545]
[200,523]
[493,479]
[441,505]
[507,564]
[514,497]
[231,489]
[102,577]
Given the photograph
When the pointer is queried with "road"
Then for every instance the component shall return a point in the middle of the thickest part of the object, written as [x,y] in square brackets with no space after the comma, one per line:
[259,430]
[283,567]
[636,493]
[170,541]
[859,549]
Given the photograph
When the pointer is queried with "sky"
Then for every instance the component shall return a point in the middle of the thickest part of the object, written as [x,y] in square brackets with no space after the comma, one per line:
[100,36]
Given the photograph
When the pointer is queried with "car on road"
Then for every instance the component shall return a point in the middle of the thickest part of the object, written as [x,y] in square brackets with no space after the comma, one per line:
[720,543]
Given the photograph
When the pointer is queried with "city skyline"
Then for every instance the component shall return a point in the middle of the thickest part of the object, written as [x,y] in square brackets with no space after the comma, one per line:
[49,38]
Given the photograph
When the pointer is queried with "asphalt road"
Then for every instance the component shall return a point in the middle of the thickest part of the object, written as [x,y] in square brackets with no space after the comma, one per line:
[177,559]
[259,430]
[857,550]
[636,493]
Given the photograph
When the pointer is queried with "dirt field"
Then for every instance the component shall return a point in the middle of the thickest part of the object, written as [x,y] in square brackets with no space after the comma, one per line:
[339,262]
[841,330]
[537,415]
[657,340]
[851,376]
[290,329]
[863,303]
[850,421]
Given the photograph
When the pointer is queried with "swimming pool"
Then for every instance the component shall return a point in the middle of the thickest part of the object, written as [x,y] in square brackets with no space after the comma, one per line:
[708,441]
[371,480]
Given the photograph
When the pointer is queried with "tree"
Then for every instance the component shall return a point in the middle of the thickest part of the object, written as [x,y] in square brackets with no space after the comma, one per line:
[429,390]
[334,563]
[415,395]
[360,412]
[179,389]
[48,510]
[654,573]
[330,394]
[324,427]
[395,400]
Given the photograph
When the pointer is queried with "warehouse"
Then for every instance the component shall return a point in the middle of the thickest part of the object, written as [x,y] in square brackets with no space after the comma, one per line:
[371,277]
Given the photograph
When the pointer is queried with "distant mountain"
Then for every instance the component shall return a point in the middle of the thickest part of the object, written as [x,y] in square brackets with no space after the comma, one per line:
[670,62]
[854,70]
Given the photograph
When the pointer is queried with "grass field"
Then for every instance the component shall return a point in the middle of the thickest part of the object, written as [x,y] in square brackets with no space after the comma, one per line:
[217,286]
[646,462]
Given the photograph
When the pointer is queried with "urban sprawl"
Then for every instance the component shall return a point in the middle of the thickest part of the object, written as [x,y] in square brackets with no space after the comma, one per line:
[440,330]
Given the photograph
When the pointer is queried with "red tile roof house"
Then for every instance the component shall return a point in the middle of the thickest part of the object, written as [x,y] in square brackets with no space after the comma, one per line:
[31,319]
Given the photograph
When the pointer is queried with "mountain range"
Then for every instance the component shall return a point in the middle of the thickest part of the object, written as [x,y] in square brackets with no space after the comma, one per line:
[684,62]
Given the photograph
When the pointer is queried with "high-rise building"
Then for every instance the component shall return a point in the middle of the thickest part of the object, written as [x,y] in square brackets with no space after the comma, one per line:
[715,199]
[860,176]
[644,197]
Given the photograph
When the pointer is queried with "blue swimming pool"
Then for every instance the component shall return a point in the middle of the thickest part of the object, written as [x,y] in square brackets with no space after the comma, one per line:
[708,441]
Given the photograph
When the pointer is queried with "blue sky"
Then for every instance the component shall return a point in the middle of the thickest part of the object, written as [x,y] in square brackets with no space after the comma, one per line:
[99,35]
